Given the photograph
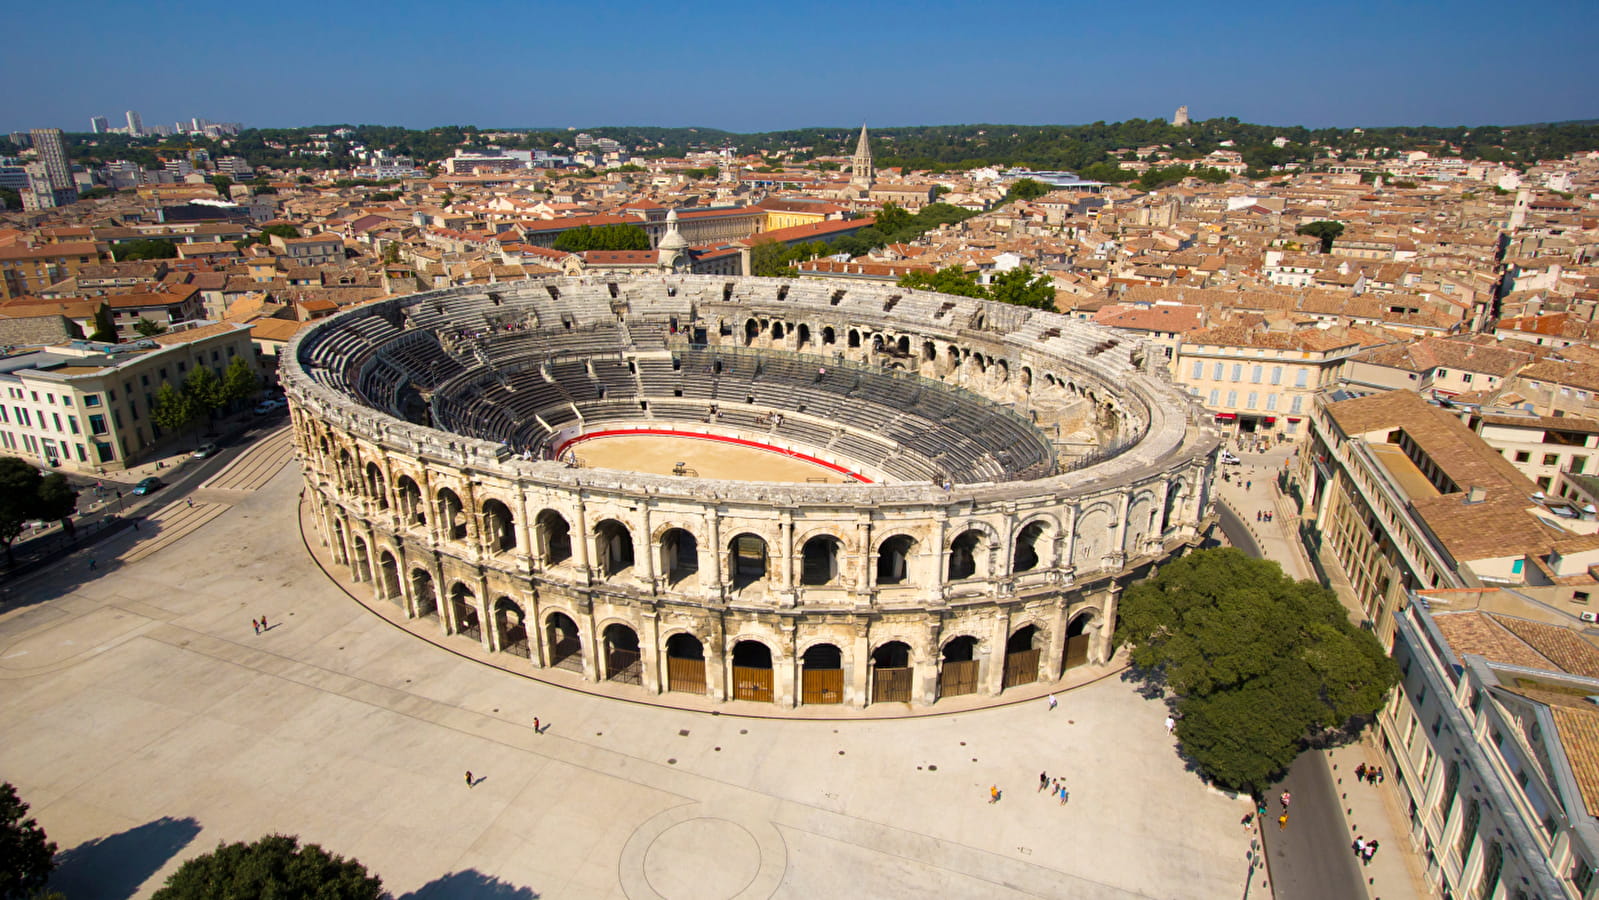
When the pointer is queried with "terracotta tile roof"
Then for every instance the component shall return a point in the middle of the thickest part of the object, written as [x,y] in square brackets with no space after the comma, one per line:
[1479,634]
[1562,647]
[1579,737]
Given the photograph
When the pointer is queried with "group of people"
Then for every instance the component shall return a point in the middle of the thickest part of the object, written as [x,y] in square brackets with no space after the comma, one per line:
[1364,849]
[1263,515]
[1057,786]
[1369,774]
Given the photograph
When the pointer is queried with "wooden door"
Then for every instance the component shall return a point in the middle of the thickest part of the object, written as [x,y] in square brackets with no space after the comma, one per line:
[822,686]
[891,685]
[957,678]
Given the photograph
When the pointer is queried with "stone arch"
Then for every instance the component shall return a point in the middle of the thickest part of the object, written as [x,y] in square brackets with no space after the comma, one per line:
[463,607]
[1093,533]
[1033,545]
[1176,495]
[685,663]
[347,471]
[409,497]
[1081,630]
[499,526]
[751,662]
[613,543]
[819,560]
[621,657]
[778,331]
[377,485]
[360,559]
[968,554]
[829,336]
[1022,652]
[564,641]
[752,330]
[748,560]
[892,672]
[452,520]
[553,535]
[894,559]
[424,595]
[822,674]
[1142,520]
[389,578]
[802,336]
[958,666]
[510,626]
[679,554]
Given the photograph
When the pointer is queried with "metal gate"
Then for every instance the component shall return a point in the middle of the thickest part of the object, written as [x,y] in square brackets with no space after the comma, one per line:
[1076,650]
[623,666]
[957,678]
[752,684]
[822,686]
[685,675]
[889,685]
[1021,667]
[566,652]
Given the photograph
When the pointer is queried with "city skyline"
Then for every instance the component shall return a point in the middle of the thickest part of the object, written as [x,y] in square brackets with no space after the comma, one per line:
[895,65]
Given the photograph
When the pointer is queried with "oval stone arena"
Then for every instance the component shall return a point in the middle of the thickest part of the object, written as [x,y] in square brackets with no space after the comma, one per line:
[760,491]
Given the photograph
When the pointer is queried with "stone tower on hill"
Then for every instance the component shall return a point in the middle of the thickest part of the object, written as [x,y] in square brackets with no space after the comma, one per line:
[1180,118]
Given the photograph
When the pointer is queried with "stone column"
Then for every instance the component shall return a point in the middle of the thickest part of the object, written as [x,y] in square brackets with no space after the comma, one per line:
[647,552]
[856,688]
[487,633]
[592,641]
[581,544]
[1101,649]
[441,593]
[924,666]
[865,578]
[1055,652]
[786,669]
[650,655]
[714,585]
[994,679]
[524,535]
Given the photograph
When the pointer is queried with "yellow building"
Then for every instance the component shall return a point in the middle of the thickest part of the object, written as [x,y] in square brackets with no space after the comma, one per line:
[790,212]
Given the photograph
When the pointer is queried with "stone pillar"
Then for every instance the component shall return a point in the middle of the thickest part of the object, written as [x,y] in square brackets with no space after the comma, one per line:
[650,650]
[718,660]
[856,688]
[786,668]
[524,536]
[441,594]
[591,641]
[785,530]
[1055,651]
[993,681]
[581,544]
[647,552]
[714,585]
[487,633]
[924,667]
[865,578]
[1101,648]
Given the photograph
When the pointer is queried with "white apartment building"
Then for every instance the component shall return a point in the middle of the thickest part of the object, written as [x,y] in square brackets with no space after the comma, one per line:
[85,406]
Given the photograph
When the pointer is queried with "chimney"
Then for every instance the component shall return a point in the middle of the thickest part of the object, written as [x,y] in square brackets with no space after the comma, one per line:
[1476,494]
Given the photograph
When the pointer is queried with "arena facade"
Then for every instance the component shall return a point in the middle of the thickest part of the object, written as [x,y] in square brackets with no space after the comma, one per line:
[979,481]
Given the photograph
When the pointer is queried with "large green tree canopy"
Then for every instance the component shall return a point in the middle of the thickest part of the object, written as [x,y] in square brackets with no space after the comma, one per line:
[274,866]
[605,237]
[27,494]
[1259,662]
[27,857]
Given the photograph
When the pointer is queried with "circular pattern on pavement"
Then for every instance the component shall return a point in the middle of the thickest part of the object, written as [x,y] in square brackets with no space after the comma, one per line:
[712,859]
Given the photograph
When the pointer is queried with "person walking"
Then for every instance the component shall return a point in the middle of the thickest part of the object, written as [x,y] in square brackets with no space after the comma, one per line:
[1053,703]
[91,564]
[190,501]
[1360,771]
[536,725]
[468,777]
[1171,725]
[264,626]
[1359,845]
[256,624]
[1285,798]
[1063,794]
[1043,780]
[993,793]
[1368,853]
[1282,822]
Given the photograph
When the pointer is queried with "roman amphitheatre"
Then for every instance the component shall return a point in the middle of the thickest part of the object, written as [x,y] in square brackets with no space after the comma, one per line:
[768,494]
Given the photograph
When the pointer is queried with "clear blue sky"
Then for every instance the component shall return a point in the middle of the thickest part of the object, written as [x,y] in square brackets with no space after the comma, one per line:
[749,67]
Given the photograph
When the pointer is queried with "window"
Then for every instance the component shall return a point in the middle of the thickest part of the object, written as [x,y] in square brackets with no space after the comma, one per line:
[1276,374]
[1516,567]
[1578,463]
[1271,402]
[1199,369]
[1254,374]
[1215,397]
[1579,596]
[1302,378]
[1238,374]
[1232,398]
[1466,378]
[1551,459]
[97,424]
[1299,401]
[1216,372]
[1523,456]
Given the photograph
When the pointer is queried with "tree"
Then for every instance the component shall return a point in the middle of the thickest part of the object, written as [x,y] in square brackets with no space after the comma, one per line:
[104,328]
[770,259]
[892,217]
[148,328]
[950,280]
[146,249]
[280,229]
[274,866]
[239,381]
[205,390]
[1324,231]
[10,199]
[222,183]
[605,237]
[1020,287]
[173,409]
[1259,663]
[26,494]
[1026,189]
[26,857]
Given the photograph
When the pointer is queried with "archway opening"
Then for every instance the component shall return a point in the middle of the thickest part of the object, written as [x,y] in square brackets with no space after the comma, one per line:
[463,605]
[746,561]
[685,664]
[511,623]
[752,330]
[893,559]
[752,671]
[822,675]
[802,336]
[1077,640]
[622,654]
[389,578]
[375,485]
[819,560]
[554,537]
[412,510]
[891,673]
[566,648]
[1025,558]
[680,555]
[1021,657]
[614,542]
[423,593]
[360,562]
[963,553]
[451,521]
[958,664]
[500,526]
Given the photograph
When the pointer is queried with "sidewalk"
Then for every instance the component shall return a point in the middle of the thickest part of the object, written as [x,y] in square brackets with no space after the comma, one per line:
[1370,811]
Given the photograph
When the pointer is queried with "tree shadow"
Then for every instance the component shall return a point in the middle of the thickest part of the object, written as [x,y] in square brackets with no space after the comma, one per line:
[116,866]
[470,885]
[1150,683]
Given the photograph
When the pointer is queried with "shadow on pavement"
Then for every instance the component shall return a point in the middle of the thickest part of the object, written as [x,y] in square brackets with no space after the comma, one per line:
[470,885]
[115,866]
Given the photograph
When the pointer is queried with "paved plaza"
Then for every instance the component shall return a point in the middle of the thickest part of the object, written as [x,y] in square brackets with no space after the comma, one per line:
[146,722]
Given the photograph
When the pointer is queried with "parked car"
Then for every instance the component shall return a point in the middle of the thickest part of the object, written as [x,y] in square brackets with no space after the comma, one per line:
[204,450]
[268,407]
[147,486]
[1227,459]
